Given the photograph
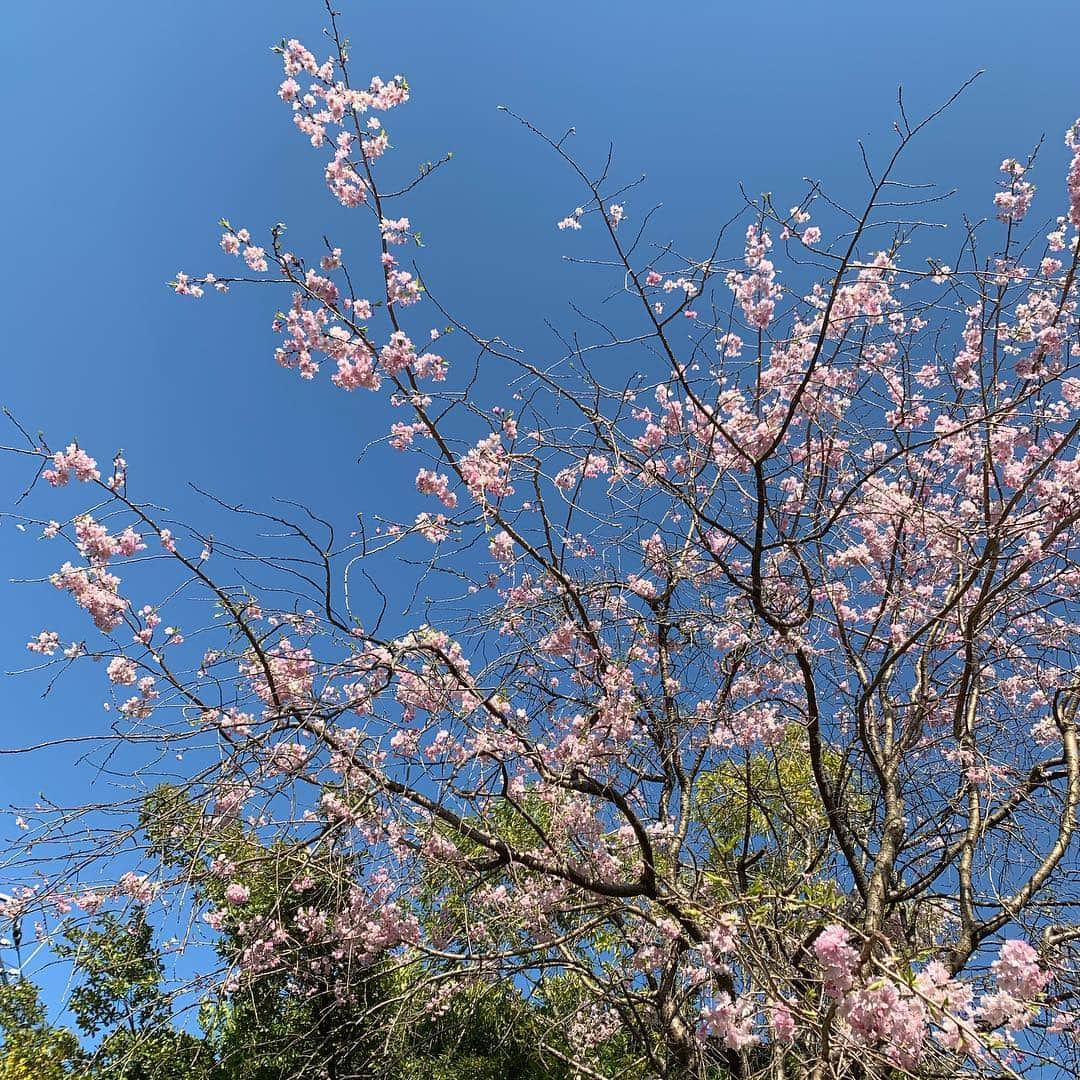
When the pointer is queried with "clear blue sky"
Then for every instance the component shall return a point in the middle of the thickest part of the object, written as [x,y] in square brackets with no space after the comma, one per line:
[132,127]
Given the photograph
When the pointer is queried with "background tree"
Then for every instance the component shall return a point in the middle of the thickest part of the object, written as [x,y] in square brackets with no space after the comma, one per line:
[120,1001]
[31,1048]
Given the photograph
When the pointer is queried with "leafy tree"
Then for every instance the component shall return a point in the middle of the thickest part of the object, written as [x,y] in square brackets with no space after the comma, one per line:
[30,1047]
[120,1001]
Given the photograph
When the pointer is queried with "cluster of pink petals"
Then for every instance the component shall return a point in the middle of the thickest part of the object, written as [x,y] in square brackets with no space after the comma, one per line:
[756,291]
[1072,141]
[329,104]
[1015,201]
[887,1014]
[72,461]
[94,590]
[97,546]
[428,482]
[486,469]
[46,643]
[282,676]
[434,528]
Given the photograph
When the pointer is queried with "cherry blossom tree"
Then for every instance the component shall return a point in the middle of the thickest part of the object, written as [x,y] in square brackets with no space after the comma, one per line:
[742,737]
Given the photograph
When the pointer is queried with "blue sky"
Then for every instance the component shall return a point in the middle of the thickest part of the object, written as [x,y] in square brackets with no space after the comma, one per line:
[131,128]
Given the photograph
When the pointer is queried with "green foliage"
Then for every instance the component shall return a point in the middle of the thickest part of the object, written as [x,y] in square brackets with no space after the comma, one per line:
[490,1033]
[271,1029]
[263,1033]
[765,820]
[120,1000]
[121,974]
[31,1048]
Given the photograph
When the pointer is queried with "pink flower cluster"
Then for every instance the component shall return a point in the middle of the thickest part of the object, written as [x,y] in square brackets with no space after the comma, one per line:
[395,231]
[434,528]
[757,291]
[75,461]
[141,705]
[283,675]
[233,240]
[572,221]
[1014,202]
[888,1014]
[94,590]
[1018,971]
[370,924]
[428,482]
[838,959]
[402,289]
[486,469]
[122,671]
[399,353]
[1072,141]
[46,643]
[330,103]
[97,546]
[730,1020]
